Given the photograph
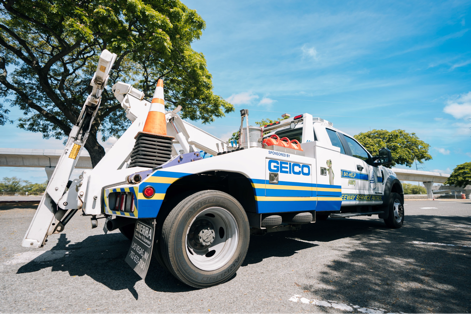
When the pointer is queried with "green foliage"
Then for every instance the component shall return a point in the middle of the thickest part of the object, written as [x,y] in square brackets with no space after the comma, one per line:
[263,122]
[461,175]
[53,47]
[405,147]
[413,189]
[12,185]
[35,188]
[16,185]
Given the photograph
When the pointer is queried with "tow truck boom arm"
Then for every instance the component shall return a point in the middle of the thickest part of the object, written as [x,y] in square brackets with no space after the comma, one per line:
[49,214]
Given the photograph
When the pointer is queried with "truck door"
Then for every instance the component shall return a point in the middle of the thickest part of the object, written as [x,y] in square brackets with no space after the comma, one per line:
[350,177]
[369,174]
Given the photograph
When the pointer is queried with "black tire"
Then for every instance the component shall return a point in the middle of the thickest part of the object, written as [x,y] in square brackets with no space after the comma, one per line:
[395,218]
[184,239]
[128,231]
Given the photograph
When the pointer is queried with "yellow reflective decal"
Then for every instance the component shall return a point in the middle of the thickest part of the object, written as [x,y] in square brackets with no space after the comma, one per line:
[74,152]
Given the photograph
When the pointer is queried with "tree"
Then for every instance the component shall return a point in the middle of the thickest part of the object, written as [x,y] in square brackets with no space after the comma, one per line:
[263,122]
[12,185]
[405,147]
[461,175]
[50,49]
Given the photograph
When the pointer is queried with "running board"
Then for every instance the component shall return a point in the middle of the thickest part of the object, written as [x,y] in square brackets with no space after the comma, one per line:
[346,215]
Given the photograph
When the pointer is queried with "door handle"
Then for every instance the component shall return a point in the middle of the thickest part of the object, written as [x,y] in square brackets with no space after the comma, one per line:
[360,168]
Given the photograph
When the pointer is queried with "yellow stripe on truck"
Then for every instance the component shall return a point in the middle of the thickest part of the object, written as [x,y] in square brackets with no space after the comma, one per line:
[293,187]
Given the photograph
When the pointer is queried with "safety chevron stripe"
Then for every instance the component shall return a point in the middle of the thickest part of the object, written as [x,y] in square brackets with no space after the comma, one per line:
[132,190]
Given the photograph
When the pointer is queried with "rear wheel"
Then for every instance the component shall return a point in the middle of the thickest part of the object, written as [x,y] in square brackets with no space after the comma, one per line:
[205,238]
[396,212]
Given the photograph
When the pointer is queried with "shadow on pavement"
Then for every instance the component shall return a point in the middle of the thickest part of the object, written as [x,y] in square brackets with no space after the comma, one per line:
[101,257]
[388,270]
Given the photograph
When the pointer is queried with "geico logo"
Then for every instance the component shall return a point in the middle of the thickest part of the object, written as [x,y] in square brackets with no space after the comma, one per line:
[288,168]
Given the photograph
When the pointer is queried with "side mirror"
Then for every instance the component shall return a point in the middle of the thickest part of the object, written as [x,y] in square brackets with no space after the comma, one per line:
[384,158]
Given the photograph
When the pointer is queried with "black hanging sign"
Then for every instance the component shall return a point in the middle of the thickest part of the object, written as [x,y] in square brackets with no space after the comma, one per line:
[140,252]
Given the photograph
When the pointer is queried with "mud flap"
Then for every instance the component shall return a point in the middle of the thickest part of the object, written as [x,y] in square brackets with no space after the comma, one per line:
[140,252]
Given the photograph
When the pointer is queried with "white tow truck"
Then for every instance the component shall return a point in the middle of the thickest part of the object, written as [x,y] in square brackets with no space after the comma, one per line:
[194,206]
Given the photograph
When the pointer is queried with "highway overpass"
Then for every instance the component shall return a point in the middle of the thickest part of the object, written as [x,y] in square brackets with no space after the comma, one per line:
[48,158]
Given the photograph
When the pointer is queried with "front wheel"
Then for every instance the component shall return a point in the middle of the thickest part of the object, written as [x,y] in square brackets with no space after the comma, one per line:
[396,212]
[205,238]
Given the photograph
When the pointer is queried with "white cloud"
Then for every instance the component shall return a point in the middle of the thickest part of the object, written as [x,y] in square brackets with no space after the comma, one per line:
[242,98]
[468,154]
[447,171]
[460,107]
[309,52]
[266,102]
[442,150]
[460,64]
[463,22]
[463,128]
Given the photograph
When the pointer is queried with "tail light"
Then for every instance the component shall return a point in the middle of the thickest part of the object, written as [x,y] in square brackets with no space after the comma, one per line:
[148,192]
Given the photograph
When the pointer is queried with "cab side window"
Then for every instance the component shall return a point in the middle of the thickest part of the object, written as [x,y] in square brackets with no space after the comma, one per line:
[334,138]
[357,150]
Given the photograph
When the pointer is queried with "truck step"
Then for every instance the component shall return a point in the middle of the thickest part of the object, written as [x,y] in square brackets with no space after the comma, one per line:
[272,220]
[346,215]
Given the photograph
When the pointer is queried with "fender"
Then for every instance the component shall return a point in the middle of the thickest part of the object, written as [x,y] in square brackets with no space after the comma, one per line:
[390,182]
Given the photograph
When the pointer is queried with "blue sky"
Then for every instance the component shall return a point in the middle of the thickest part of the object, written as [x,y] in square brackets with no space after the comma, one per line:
[362,65]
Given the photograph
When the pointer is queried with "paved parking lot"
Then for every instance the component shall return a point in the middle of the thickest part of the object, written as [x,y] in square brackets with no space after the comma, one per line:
[335,266]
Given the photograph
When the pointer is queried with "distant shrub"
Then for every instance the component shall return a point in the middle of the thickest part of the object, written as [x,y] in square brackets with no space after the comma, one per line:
[14,185]
[413,189]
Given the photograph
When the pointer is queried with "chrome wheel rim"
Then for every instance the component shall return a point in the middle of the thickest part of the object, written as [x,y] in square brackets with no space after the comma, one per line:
[212,238]
[398,211]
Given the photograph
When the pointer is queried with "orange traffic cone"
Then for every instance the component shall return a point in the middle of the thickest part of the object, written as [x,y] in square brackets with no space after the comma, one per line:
[153,147]
[155,122]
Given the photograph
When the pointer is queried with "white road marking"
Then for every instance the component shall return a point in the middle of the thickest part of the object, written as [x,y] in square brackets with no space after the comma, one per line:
[428,208]
[340,306]
[301,240]
[439,244]
[36,256]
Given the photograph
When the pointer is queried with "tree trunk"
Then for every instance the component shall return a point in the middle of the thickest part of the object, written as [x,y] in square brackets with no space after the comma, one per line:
[96,151]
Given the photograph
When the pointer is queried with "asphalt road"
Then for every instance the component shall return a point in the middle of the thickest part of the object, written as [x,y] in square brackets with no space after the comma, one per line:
[335,266]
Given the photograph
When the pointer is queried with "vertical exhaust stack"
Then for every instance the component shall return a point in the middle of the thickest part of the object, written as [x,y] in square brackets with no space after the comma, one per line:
[153,147]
